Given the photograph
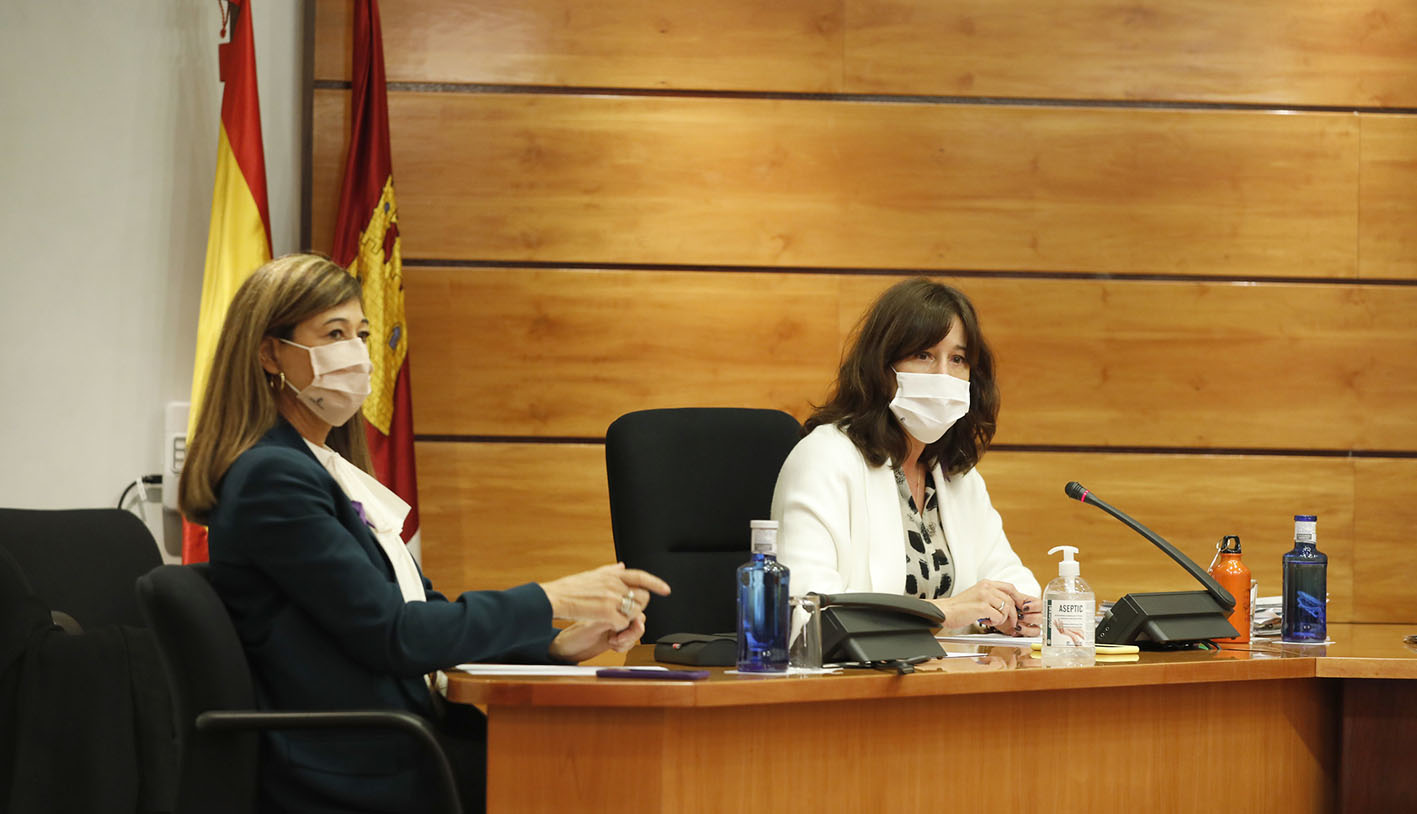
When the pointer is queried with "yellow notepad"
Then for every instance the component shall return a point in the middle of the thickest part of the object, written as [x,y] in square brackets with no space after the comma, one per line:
[1107,649]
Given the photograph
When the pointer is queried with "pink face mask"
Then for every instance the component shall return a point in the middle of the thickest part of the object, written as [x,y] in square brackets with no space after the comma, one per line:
[341,380]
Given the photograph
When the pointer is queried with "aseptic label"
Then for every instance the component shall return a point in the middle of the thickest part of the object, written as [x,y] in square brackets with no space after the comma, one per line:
[1068,623]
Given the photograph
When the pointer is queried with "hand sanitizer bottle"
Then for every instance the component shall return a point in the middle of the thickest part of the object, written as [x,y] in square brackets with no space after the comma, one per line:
[1069,618]
[763,620]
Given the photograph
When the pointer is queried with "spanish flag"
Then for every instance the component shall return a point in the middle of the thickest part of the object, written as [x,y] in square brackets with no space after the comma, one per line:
[239,238]
[367,243]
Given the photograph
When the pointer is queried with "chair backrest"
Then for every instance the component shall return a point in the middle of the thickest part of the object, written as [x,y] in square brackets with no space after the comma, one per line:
[21,615]
[206,670]
[82,561]
[684,483]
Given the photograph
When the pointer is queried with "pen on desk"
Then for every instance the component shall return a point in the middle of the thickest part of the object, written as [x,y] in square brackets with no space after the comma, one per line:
[651,673]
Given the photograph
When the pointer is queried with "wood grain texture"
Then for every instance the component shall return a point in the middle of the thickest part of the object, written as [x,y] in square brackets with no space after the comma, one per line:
[1388,198]
[789,45]
[1377,650]
[849,184]
[682,756]
[1191,501]
[1349,52]
[564,353]
[1081,362]
[1003,670]
[1379,732]
[500,514]
[1178,364]
[1386,515]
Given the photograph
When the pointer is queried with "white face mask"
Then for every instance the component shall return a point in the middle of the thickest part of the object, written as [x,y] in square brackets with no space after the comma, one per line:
[341,380]
[928,404]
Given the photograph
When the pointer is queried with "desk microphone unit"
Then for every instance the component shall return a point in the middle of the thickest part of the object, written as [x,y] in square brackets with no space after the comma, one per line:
[1164,618]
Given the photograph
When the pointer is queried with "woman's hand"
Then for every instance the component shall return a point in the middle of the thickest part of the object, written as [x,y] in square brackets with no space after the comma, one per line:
[612,595]
[1030,616]
[584,640]
[992,603]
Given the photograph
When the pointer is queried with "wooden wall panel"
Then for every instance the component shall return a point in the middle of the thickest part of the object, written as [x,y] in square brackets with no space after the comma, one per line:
[726,176]
[1385,563]
[1345,52]
[812,183]
[1183,364]
[1082,362]
[1388,202]
[564,353]
[499,515]
[1190,500]
[786,45]
[496,515]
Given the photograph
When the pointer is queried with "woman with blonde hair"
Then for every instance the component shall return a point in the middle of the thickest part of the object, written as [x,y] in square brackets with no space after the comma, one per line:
[882,495]
[306,554]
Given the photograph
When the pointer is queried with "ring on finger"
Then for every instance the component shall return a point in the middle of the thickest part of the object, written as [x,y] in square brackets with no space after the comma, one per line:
[627,604]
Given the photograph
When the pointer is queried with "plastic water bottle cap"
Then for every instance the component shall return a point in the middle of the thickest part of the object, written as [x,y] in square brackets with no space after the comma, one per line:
[762,537]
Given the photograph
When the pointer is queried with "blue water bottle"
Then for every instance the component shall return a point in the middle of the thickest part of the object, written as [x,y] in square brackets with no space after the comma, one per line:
[1305,612]
[763,621]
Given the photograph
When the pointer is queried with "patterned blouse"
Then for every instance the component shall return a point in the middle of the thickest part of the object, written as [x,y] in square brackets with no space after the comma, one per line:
[929,574]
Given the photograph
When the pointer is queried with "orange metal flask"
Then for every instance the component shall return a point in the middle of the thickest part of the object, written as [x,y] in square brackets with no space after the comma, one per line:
[1234,577]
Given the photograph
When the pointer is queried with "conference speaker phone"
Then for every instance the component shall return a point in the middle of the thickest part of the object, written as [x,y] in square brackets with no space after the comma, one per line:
[887,631]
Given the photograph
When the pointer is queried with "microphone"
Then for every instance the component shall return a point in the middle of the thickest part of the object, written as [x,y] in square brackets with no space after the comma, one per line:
[1223,597]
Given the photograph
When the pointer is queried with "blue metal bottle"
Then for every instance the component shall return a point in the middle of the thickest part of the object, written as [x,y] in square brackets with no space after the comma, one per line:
[763,620]
[1305,612]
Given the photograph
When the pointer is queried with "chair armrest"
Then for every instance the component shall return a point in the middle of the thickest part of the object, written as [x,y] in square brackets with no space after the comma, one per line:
[66,622]
[419,728]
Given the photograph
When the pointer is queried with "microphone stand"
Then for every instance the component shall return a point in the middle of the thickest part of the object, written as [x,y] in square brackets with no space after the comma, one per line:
[1162,619]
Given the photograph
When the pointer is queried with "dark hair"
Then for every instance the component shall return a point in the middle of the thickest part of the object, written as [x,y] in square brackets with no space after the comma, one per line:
[907,318]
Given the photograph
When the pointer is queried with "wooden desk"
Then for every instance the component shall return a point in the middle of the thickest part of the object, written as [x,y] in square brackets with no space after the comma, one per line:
[1272,728]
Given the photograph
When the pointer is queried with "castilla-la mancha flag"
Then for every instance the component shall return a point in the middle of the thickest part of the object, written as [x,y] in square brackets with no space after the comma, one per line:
[367,243]
[239,238]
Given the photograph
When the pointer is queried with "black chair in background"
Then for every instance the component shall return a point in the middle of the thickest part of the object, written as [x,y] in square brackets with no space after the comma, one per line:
[82,562]
[215,702]
[684,483]
[85,716]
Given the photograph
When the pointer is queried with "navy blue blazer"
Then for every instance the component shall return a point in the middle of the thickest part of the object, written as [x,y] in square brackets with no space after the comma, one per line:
[318,609]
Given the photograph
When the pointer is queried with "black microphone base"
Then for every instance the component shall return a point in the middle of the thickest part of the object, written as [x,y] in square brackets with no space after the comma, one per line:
[1164,619]
[851,634]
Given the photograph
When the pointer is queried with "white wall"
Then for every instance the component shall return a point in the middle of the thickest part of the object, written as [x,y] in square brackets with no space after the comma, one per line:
[108,133]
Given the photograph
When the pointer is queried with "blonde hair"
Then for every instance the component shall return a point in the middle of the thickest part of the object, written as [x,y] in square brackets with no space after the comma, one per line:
[239,405]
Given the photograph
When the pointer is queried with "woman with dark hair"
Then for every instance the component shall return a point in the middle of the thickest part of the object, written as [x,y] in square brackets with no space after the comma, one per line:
[882,493]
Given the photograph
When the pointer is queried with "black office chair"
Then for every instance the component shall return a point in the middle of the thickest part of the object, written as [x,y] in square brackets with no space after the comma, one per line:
[85,717]
[684,483]
[215,702]
[82,562]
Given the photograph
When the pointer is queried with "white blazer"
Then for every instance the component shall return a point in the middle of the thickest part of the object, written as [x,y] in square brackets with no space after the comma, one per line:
[840,529]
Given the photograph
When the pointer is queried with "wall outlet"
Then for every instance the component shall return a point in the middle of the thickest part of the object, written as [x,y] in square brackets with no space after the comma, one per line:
[174,450]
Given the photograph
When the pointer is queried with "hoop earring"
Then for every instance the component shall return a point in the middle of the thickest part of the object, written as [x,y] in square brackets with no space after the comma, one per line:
[282,381]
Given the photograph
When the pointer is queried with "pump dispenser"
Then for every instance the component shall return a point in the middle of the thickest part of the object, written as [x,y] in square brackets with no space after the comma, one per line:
[1069,617]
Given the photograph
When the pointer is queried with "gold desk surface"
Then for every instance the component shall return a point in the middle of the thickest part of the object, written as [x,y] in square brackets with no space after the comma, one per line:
[1358,651]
